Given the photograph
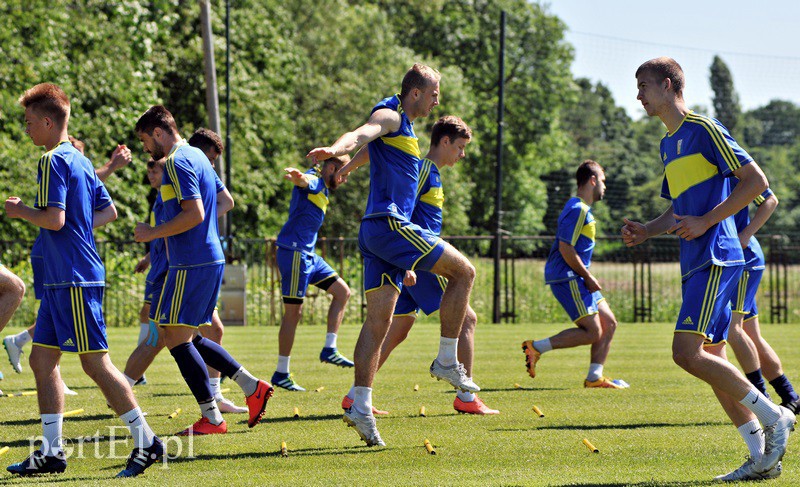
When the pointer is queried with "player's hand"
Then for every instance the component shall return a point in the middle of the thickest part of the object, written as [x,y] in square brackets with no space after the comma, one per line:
[744,240]
[689,227]
[294,175]
[410,278]
[14,207]
[633,233]
[320,154]
[142,265]
[143,232]
[121,157]
[592,284]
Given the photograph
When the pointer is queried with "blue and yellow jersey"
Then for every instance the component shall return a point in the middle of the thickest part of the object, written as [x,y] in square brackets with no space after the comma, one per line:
[753,255]
[430,198]
[158,253]
[306,214]
[188,175]
[576,226]
[394,168]
[698,159]
[67,180]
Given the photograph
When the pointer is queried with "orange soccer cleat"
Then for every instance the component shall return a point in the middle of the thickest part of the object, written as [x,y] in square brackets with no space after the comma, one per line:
[257,402]
[473,407]
[531,357]
[204,427]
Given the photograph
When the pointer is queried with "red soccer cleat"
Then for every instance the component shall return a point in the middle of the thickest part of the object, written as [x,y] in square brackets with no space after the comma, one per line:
[347,402]
[204,427]
[474,407]
[257,402]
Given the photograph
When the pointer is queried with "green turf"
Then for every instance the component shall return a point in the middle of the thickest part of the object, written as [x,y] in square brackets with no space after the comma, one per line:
[667,429]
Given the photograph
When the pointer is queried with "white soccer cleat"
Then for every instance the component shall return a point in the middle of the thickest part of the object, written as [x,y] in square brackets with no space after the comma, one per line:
[748,471]
[68,391]
[227,406]
[365,425]
[455,374]
[14,353]
[776,437]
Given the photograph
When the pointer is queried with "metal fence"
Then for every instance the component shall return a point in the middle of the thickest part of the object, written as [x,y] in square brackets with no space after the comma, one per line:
[641,284]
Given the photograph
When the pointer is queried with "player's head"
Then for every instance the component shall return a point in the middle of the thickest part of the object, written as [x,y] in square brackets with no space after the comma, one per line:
[591,173]
[420,90]
[156,128]
[209,142]
[46,111]
[155,172]
[77,144]
[449,137]
[660,82]
[329,169]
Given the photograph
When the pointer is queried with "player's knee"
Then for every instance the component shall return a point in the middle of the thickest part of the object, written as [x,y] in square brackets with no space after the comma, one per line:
[609,325]
[683,358]
[13,286]
[470,322]
[345,293]
[594,332]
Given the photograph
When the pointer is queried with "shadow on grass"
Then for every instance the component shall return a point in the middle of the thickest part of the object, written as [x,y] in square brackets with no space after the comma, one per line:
[32,421]
[652,483]
[48,479]
[514,389]
[630,426]
[355,450]
[290,419]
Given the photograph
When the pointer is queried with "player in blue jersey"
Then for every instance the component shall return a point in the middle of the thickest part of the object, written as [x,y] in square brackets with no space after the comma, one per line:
[699,156]
[575,287]
[196,264]
[391,244]
[753,352]
[70,201]
[300,266]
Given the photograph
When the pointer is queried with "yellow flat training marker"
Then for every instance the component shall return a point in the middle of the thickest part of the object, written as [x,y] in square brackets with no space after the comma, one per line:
[538,411]
[284,450]
[517,386]
[422,411]
[319,389]
[296,412]
[224,391]
[591,447]
[4,450]
[28,393]
[416,387]
[74,412]
[429,447]
[174,414]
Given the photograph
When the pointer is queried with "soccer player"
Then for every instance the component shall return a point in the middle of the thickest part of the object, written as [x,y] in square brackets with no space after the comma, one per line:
[391,244]
[752,351]
[70,201]
[423,290]
[196,264]
[13,344]
[699,155]
[575,287]
[300,266]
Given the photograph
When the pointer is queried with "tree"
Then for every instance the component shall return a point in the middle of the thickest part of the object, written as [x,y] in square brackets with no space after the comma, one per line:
[726,101]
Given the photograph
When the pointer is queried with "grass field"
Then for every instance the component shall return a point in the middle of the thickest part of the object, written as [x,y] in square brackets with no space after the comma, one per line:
[667,429]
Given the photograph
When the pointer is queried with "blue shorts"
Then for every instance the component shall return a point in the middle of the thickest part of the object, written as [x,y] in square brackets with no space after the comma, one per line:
[153,285]
[391,246]
[576,300]
[425,295]
[745,302]
[706,302]
[190,296]
[71,319]
[37,265]
[298,270]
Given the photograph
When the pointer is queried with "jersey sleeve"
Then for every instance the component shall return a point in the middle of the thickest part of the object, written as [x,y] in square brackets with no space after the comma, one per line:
[760,199]
[53,177]
[723,150]
[218,182]
[102,199]
[315,184]
[570,224]
[184,179]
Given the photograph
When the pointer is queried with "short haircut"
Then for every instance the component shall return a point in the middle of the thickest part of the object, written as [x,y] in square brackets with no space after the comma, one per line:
[206,139]
[663,68]
[586,170]
[47,100]
[160,163]
[451,127]
[419,76]
[157,116]
[77,144]
[338,162]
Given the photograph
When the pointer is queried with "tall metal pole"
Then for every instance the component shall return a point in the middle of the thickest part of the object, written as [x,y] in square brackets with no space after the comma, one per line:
[498,201]
[212,99]
[228,105]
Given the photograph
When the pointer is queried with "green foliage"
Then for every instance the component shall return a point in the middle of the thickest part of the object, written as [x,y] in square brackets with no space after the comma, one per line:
[726,101]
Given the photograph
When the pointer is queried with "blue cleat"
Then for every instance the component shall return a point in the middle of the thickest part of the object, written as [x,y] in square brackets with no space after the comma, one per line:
[330,355]
[141,458]
[38,463]
[286,381]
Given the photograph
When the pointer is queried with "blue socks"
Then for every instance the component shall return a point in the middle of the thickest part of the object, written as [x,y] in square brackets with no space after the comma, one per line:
[784,389]
[193,370]
[757,380]
[216,356]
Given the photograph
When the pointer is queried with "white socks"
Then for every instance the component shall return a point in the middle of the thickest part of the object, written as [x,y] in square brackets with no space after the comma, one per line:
[754,439]
[352,392]
[283,364]
[362,399]
[131,382]
[22,338]
[140,430]
[214,383]
[542,346]
[211,411]
[595,372]
[246,381]
[51,430]
[448,348]
[330,340]
[765,410]
[144,330]
[466,396]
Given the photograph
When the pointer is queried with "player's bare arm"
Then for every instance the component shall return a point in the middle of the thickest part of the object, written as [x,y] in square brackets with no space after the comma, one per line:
[762,214]
[296,176]
[752,183]
[120,158]
[143,264]
[635,233]
[360,159]
[381,122]
[50,218]
[192,214]
[225,202]
[570,256]
[104,216]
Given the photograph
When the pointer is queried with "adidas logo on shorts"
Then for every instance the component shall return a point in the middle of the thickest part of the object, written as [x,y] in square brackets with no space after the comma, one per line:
[68,343]
[688,321]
